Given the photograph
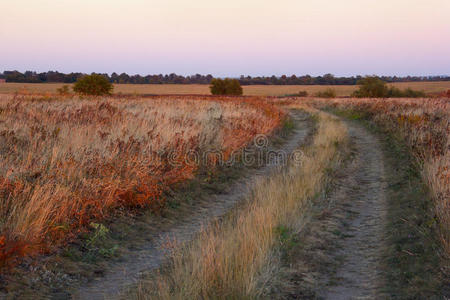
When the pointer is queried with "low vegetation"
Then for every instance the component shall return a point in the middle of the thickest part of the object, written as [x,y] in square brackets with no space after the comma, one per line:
[299,94]
[302,94]
[328,93]
[236,258]
[65,163]
[374,87]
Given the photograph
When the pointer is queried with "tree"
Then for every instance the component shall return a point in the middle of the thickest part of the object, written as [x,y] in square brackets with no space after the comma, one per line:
[371,87]
[329,78]
[95,84]
[233,87]
[217,87]
[225,87]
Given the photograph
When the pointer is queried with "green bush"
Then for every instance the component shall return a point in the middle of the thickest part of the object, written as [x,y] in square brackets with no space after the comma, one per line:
[95,84]
[302,94]
[225,86]
[328,93]
[371,87]
[394,92]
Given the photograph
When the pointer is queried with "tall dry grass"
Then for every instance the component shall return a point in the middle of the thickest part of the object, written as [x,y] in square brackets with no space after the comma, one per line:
[232,259]
[425,126]
[67,162]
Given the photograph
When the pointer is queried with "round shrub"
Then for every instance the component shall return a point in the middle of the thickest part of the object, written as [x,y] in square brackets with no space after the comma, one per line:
[371,87]
[95,85]
[225,86]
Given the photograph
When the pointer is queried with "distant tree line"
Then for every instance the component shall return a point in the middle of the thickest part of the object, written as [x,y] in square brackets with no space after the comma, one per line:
[327,79]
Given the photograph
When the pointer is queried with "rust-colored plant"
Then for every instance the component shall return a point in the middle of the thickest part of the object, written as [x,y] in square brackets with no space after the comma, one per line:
[65,163]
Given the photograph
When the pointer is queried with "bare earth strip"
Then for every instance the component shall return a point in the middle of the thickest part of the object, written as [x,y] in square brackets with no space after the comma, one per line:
[362,190]
[151,255]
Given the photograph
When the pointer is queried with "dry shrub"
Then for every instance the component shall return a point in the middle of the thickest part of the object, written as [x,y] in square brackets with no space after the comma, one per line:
[67,162]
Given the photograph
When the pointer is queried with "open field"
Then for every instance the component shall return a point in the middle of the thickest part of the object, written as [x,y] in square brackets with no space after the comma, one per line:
[68,162]
[199,89]
[70,167]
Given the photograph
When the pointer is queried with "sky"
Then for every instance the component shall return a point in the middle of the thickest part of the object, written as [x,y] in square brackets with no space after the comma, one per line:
[227,38]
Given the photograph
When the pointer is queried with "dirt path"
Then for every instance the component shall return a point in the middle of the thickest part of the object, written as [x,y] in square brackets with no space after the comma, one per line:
[362,197]
[151,255]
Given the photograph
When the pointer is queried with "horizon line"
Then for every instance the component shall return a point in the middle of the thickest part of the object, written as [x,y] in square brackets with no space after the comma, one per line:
[228,76]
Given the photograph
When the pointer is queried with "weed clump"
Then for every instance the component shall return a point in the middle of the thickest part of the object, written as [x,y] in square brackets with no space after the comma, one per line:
[64,90]
[328,93]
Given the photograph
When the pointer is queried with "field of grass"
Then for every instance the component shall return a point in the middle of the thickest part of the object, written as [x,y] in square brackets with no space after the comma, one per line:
[199,89]
[68,162]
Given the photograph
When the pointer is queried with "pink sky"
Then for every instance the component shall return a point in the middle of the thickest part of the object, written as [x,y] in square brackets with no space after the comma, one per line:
[227,38]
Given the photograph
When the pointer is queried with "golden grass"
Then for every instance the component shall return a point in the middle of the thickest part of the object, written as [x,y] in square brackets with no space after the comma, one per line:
[202,89]
[67,162]
[233,259]
[425,126]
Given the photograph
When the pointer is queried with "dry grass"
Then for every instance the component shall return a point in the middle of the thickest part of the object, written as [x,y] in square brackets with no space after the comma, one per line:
[67,162]
[201,89]
[425,126]
[234,258]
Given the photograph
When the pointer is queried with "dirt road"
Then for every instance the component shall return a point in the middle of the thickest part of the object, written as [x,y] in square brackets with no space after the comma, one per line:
[362,195]
[151,255]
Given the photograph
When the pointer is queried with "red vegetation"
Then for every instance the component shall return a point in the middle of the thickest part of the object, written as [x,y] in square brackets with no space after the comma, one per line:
[67,162]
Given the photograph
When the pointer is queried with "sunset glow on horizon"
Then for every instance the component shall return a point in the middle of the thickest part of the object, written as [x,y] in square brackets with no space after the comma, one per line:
[227,38]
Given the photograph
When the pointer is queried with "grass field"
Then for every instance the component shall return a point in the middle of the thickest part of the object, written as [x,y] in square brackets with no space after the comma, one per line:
[70,164]
[65,163]
[253,90]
